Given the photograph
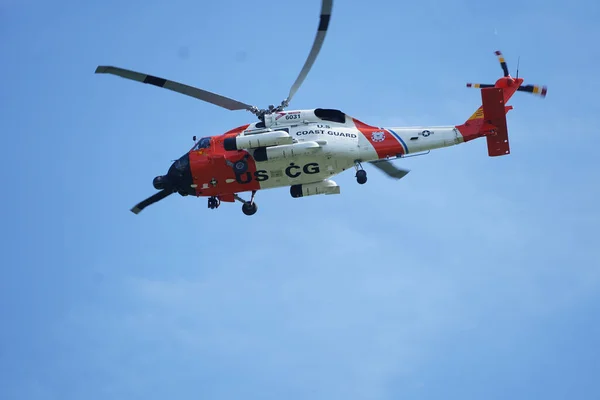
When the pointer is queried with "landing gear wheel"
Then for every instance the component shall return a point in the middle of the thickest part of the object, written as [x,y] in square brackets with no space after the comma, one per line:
[240,167]
[213,203]
[249,208]
[361,176]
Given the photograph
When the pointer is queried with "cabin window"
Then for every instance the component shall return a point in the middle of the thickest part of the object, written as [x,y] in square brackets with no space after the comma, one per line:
[327,114]
[203,143]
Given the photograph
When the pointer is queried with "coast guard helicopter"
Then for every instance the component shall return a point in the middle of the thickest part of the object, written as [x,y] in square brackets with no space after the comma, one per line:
[304,149]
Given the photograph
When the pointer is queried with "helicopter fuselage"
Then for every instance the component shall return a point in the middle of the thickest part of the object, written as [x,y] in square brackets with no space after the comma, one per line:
[318,144]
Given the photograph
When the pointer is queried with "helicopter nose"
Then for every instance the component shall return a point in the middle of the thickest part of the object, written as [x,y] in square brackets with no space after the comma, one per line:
[159,182]
[179,177]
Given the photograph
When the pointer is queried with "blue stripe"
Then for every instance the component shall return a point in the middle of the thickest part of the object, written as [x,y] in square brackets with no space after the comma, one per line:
[400,139]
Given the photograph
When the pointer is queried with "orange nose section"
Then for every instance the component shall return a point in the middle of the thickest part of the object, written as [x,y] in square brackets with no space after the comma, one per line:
[200,166]
[178,178]
[219,175]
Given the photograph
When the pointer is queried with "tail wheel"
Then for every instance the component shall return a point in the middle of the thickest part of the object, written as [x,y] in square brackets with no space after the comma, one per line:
[361,176]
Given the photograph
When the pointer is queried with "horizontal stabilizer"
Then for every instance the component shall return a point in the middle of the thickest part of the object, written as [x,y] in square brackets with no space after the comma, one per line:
[494,113]
[390,169]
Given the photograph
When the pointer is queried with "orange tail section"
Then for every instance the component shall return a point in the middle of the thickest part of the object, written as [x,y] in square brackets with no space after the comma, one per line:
[490,118]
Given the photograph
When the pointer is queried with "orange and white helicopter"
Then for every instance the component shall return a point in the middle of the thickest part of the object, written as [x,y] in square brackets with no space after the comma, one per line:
[304,149]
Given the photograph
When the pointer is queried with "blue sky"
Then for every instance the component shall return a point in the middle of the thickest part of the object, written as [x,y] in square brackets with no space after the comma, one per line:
[473,277]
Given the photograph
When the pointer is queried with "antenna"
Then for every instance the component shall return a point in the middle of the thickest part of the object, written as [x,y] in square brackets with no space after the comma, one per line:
[518,59]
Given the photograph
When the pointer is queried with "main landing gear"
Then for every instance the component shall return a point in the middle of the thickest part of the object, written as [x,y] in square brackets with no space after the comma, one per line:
[248,207]
[361,174]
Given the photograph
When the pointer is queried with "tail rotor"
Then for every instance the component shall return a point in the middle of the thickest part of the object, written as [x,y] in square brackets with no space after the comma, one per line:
[508,81]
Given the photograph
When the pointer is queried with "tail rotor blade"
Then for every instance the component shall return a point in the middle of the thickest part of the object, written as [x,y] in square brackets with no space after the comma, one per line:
[502,62]
[151,200]
[191,91]
[534,89]
[479,85]
[326,7]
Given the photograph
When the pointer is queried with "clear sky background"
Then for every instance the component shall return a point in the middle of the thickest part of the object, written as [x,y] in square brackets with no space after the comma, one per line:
[471,278]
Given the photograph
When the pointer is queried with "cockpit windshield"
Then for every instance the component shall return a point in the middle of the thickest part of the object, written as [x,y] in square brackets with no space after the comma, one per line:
[203,143]
[182,163]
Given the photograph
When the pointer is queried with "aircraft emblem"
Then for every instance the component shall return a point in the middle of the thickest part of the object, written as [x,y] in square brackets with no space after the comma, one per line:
[378,136]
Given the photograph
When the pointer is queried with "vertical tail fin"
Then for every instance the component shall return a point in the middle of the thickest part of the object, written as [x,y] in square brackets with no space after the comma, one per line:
[490,121]
[495,115]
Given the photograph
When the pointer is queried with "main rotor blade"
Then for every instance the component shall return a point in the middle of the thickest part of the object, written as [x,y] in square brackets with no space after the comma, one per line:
[326,6]
[390,169]
[151,200]
[191,91]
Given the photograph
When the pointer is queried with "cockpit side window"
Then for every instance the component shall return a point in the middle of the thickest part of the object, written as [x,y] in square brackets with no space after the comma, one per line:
[328,114]
[203,143]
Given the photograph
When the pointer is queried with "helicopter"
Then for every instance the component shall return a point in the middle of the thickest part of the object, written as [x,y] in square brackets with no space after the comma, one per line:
[304,149]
